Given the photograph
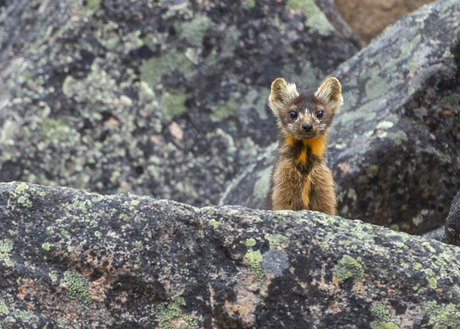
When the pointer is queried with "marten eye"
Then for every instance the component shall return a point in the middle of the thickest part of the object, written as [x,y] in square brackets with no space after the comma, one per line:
[293,114]
[320,114]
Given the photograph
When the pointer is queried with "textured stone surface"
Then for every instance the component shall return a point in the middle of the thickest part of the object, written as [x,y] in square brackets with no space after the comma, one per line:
[394,146]
[71,259]
[452,233]
[166,98]
[369,18]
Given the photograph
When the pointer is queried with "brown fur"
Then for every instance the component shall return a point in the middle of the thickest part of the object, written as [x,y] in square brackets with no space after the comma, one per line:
[301,179]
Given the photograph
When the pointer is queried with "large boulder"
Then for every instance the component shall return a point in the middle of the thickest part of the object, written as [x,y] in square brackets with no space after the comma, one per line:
[394,145]
[166,98]
[71,259]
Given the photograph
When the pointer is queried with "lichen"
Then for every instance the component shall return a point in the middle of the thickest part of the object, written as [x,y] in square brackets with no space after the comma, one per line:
[78,287]
[443,317]
[193,31]
[46,246]
[277,240]
[382,317]
[4,308]
[250,242]
[171,316]
[254,259]
[5,248]
[316,20]
[349,267]
[174,104]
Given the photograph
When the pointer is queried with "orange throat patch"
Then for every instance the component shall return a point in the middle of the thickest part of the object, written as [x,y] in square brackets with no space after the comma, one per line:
[317,146]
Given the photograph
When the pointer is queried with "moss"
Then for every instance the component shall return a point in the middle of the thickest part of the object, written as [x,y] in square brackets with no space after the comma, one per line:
[174,104]
[316,20]
[78,287]
[349,267]
[277,240]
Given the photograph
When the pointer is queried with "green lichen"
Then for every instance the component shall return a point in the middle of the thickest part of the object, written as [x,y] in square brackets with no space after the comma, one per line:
[349,267]
[249,3]
[152,70]
[22,194]
[226,109]
[194,30]
[254,259]
[46,246]
[250,242]
[214,223]
[174,104]
[170,312]
[443,317]
[78,287]
[4,308]
[382,317]
[91,6]
[316,20]
[5,248]
[262,184]
[277,240]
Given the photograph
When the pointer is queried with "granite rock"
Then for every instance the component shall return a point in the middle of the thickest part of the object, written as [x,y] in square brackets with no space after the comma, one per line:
[72,259]
[164,98]
[393,148]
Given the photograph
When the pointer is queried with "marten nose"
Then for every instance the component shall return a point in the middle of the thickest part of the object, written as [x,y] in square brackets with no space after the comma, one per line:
[307,126]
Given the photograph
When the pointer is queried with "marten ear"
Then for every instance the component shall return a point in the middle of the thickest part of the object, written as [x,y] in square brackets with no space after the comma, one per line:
[330,92]
[281,94]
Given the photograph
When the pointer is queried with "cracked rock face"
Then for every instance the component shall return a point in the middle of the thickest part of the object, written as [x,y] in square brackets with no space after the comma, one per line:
[393,148]
[72,259]
[163,98]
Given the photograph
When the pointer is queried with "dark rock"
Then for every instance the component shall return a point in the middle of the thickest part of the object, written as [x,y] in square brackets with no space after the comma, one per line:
[165,98]
[452,233]
[394,145]
[72,259]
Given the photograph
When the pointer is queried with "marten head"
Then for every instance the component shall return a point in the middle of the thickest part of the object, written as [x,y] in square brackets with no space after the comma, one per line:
[308,113]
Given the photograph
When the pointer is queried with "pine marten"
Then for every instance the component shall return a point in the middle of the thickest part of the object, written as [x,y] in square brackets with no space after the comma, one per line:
[301,179]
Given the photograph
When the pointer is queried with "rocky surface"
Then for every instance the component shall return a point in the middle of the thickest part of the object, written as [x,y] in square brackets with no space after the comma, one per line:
[369,18]
[452,232]
[164,98]
[394,145]
[71,259]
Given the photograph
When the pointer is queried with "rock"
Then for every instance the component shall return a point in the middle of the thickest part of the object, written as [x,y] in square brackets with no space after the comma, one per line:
[369,18]
[72,259]
[165,98]
[394,146]
[452,232]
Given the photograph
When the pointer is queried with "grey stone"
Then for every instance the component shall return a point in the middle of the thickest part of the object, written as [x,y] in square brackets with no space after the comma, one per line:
[72,259]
